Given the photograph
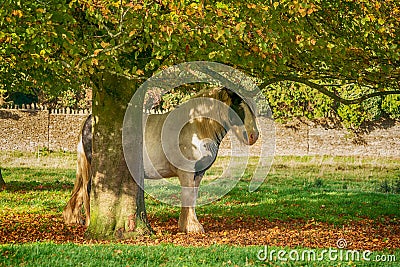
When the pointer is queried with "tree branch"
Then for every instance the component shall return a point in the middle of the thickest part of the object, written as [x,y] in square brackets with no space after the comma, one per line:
[130,77]
[105,50]
[322,89]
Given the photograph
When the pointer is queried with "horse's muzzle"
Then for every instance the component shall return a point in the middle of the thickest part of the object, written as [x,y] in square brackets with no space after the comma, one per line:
[251,137]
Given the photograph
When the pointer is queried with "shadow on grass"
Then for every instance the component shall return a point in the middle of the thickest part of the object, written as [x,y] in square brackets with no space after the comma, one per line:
[23,179]
[19,187]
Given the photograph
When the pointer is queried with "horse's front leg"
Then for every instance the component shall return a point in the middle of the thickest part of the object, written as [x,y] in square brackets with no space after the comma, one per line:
[188,222]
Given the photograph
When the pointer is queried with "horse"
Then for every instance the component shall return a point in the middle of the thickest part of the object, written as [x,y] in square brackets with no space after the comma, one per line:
[199,141]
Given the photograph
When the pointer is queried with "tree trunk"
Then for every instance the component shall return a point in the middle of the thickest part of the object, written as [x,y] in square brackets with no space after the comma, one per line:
[113,201]
[2,183]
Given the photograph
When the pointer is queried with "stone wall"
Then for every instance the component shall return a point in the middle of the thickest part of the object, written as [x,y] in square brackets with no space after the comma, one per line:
[23,129]
[32,129]
[309,138]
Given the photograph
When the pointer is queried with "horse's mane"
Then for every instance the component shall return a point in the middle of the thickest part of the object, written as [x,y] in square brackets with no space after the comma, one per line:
[210,128]
[218,93]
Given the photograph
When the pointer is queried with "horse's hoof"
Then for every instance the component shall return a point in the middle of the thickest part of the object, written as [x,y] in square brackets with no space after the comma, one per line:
[192,227]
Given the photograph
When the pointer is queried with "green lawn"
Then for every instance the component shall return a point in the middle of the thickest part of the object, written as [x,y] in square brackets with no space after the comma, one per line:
[48,254]
[334,190]
[298,188]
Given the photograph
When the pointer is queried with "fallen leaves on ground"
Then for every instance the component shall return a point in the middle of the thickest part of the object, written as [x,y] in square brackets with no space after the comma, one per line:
[364,234]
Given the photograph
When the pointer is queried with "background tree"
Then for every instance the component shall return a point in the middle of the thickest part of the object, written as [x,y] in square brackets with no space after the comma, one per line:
[347,50]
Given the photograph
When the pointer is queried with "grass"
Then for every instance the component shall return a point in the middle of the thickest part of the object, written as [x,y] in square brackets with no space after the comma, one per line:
[328,189]
[335,190]
[36,190]
[48,254]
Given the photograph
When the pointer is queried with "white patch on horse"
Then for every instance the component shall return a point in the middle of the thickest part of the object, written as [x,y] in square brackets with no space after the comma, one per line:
[201,147]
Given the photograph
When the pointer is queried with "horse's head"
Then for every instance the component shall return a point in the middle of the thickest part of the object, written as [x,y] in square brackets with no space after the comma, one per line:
[233,113]
[240,118]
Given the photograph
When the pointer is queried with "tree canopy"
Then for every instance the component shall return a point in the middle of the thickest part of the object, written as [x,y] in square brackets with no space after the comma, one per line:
[348,50]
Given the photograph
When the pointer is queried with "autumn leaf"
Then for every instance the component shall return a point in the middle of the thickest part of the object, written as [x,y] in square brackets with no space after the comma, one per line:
[104,44]
[97,51]
[17,13]
[169,30]
[330,45]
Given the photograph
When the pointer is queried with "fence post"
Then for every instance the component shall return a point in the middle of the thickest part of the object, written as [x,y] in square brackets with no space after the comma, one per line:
[48,127]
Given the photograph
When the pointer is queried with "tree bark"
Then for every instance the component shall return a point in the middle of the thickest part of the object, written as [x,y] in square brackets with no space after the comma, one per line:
[113,199]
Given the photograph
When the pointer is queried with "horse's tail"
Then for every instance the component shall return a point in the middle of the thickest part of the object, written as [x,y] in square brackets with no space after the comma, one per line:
[80,194]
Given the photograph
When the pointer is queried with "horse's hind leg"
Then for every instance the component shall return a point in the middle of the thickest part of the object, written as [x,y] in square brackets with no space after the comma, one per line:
[188,222]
